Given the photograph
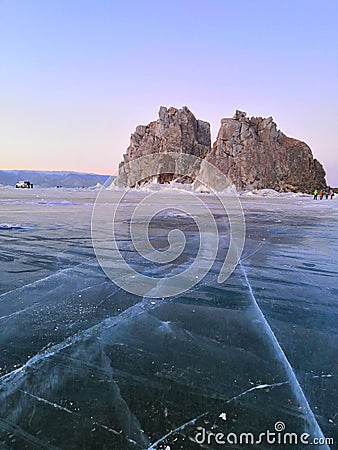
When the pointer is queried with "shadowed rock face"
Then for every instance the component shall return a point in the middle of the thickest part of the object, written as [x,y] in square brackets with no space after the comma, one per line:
[251,152]
[176,130]
[255,155]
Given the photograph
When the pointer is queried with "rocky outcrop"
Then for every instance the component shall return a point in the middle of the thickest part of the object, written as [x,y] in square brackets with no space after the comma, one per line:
[252,152]
[255,155]
[176,130]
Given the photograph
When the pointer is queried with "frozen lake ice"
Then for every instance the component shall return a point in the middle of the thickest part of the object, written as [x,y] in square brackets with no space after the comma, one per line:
[86,365]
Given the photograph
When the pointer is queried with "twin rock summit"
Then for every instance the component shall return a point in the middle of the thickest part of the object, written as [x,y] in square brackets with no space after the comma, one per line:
[251,152]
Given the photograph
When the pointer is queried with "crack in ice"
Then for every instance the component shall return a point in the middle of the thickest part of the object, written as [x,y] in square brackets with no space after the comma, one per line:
[294,383]
[193,421]
[37,282]
[329,375]
[38,304]
[136,310]
[62,408]
[256,250]
[18,312]
[258,387]
[180,428]
[47,402]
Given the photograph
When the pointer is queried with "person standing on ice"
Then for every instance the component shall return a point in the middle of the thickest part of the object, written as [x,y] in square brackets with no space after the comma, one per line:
[315,194]
[321,193]
[331,194]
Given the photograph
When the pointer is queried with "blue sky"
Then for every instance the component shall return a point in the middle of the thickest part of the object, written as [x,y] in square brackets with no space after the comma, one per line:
[77,77]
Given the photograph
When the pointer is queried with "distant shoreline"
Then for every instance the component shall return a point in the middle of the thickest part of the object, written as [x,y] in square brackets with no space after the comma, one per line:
[49,179]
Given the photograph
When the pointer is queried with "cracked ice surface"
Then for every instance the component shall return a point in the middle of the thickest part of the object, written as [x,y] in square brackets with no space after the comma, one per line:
[86,365]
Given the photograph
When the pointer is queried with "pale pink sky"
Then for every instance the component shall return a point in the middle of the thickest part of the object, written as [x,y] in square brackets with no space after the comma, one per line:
[78,77]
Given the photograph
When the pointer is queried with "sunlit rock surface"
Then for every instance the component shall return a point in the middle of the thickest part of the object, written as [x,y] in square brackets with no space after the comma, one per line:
[176,131]
[251,152]
[256,155]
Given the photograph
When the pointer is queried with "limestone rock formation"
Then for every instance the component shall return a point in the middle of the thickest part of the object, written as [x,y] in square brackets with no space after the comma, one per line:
[250,151]
[255,155]
[176,130]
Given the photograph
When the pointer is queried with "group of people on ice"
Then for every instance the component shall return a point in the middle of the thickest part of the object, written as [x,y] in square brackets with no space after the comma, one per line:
[327,193]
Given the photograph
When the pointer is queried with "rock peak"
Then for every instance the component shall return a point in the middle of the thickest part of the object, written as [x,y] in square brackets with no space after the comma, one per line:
[256,155]
[176,130]
[239,115]
[252,152]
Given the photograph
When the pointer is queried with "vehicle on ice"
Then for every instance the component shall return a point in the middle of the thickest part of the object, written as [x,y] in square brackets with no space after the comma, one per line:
[24,184]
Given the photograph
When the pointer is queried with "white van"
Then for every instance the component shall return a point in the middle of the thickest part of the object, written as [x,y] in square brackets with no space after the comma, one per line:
[24,184]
